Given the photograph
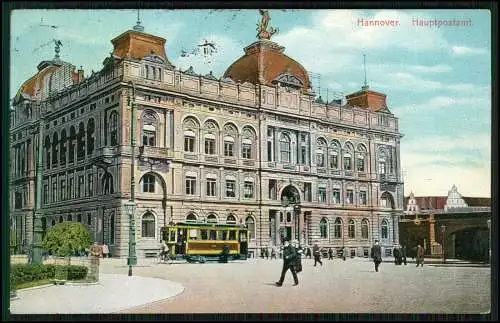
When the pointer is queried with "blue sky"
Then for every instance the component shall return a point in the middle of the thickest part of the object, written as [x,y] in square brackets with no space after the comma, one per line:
[437,80]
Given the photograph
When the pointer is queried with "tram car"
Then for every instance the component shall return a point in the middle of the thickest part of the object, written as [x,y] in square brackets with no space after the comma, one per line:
[201,241]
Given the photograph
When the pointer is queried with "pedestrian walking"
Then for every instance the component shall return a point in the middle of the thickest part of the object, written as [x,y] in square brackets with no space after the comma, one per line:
[330,253]
[397,255]
[376,254]
[105,251]
[298,259]
[317,255]
[266,252]
[420,256]
[403,254]
[308,252]
[289,261]
[344,253]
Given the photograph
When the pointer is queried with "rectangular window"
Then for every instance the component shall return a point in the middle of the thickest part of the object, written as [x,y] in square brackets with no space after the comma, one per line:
[350,197]
[248,190]
[190,185]
[63,189]
[204,234]
[285,152]
[246,151]
[307,192]
[270,131]
[303,155]
[320,158]
[273,195]
[322,194]
[347,163]
[71,184]
[230,188]
[269,150]
[46,193]
[149,138]
[80,186]
[381,167]
[362,197]
[90,185]
[360,164]
[334,162]
[188,144]
[336,196]
[209,146]
[211,187]
[228,148]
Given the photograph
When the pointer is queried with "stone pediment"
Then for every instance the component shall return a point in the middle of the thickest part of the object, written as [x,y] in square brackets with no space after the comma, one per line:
[288,80]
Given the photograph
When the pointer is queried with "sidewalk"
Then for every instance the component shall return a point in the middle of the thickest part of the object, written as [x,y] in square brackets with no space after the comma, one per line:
[112,294]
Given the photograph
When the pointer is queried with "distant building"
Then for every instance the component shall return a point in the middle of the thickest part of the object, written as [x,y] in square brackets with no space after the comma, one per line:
[465,221]
[245,148]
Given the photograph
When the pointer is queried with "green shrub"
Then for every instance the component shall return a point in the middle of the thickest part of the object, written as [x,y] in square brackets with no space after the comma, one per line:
[24,273]
[64,239]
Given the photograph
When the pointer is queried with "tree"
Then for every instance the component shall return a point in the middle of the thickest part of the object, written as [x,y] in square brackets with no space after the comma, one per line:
[65,238]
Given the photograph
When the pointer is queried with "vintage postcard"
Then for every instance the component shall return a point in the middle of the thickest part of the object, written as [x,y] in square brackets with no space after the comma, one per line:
[250,161]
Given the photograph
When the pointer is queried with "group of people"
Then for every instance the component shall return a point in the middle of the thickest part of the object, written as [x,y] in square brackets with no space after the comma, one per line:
[399,253]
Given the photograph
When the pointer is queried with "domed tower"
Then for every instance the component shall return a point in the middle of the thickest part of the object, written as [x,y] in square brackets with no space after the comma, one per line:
[264,62]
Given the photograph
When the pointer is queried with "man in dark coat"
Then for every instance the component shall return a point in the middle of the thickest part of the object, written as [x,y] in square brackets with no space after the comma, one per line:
[397,255]
[403,254]
[289,261]
[317,255]
[420,256]
[330,253]
[376,254]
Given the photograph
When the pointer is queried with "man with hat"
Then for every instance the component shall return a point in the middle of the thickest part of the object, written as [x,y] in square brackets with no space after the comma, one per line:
[289,259]
[376,254]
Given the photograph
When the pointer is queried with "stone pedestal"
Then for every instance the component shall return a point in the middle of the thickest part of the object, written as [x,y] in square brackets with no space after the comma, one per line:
[94,269]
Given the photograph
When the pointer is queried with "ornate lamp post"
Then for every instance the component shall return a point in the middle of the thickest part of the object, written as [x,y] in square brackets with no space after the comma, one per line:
[489,240]
[36,254]
[443,230]
[296,213]
[130,205]
[132,259]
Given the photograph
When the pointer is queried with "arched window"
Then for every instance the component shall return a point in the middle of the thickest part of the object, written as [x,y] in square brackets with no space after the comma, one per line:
[148,183]
[62,148]
[191,128]
[80,142]
[385,229]
[148,225]
[321,153]
[61,219]
[337,228]
[53,222]
[149,129]
[107,184]
[70,217]
[247,141]
[250,223]
[112,229]
[72,138]
[79,218]
[113,126]
[47,152]
[334,154]
[230,133]
[381,162]
[323,228]
[211,133]
[191,217]
[90,136]
[348,151]
[364,229]
[55,144]
[211,218]
[351,229]
[285,149]
[231,219]
[360,158]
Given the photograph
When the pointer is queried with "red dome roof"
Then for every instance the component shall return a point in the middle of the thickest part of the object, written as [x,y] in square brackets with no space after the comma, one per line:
[264,62]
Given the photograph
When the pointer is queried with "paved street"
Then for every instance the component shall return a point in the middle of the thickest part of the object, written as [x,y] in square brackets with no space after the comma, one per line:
[337,287]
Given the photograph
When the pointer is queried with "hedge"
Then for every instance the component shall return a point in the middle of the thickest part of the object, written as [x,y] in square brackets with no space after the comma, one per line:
[24,273]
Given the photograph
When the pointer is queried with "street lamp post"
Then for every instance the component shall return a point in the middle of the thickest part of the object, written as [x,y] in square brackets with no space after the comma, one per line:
[296,209]
[443,229]
[36,253]
[132,259]
[489,240]
[131,206]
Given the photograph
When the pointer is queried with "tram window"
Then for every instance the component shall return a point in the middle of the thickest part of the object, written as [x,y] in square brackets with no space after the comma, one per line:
[213,235]
[172,236]
[193,234]
[204,234]
[224,235]
[232,235]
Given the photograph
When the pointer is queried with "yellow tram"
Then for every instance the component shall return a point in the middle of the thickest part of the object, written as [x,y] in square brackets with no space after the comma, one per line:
[200,241]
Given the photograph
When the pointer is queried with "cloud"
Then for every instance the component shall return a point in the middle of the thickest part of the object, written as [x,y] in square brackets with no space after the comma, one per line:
[463,50]
[441,68]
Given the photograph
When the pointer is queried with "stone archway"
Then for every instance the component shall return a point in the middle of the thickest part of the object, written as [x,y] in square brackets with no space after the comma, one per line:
[288,226]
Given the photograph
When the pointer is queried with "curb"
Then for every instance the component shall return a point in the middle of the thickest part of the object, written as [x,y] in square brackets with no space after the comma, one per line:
[36,287]
[82,284]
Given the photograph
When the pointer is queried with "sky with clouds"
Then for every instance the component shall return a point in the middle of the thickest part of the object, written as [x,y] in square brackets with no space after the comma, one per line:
[437,80]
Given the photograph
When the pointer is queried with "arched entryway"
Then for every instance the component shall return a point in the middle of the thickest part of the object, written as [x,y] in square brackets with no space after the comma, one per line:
[289,214]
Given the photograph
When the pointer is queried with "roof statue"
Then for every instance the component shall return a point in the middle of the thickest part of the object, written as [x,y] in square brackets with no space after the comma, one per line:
[263,33]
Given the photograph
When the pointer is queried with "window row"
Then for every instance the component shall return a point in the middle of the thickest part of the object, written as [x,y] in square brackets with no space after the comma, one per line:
[230,187]
[351,229]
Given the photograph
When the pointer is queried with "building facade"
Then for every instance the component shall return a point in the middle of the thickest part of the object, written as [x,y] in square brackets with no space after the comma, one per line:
[254,146]
[458,226]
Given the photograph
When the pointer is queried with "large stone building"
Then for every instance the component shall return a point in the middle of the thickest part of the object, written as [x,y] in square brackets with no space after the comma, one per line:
[249,147]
